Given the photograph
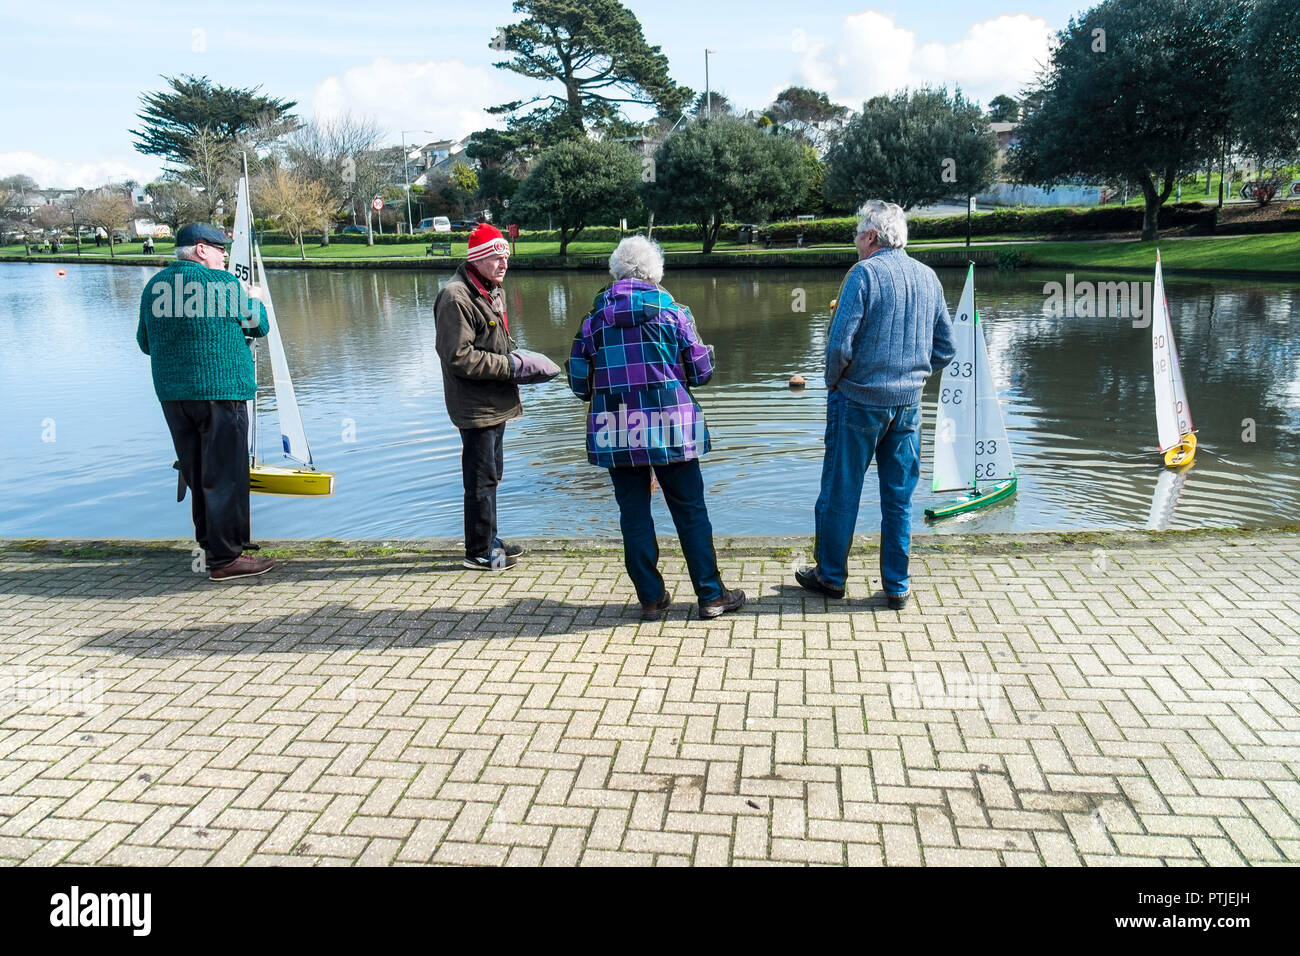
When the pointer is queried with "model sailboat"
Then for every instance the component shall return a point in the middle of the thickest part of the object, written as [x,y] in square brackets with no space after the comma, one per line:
[263,478]
[1173,416]
[971,451]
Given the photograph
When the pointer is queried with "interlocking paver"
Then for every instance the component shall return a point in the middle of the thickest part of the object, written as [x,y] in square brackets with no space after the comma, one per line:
[1028,709]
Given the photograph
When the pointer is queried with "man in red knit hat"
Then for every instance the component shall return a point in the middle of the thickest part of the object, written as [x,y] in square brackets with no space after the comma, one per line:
[482,369]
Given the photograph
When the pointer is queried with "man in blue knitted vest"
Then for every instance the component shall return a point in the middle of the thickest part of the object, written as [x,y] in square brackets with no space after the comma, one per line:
[194,317]
[889,330]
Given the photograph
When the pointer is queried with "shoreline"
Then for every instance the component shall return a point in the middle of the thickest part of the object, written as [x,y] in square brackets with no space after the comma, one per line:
[984,257]
[1009,542]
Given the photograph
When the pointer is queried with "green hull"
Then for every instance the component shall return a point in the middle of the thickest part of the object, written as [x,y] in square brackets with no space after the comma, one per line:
[975,500]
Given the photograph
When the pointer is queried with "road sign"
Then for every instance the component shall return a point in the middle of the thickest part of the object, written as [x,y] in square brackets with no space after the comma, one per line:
[376,204]
[513,230]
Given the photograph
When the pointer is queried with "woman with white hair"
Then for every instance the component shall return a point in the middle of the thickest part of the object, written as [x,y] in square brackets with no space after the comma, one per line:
[634,358]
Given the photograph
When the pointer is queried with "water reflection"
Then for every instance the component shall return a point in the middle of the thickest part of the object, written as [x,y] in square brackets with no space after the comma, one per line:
[1077,397]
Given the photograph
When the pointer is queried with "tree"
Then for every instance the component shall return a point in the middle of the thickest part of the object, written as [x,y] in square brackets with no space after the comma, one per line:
[722,167]
[342,153]
[577,183]
[715,100]
[595,49]
[110,209]
[1135,92]
[912,148]
[175,204]
[294,203]
[200,128]
[171,120]
[1264,87]
[1004,109]
[802,103]
[463,177]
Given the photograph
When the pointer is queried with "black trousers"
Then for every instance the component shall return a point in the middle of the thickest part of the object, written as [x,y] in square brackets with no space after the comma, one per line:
[211,440]
[481,464]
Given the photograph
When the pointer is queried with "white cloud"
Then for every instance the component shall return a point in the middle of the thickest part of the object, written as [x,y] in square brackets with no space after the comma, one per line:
[446,96]
[63,173]
[872,55]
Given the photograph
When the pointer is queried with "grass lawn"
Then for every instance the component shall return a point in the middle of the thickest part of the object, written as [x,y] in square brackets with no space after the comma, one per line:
[1272,252]
[1275,252]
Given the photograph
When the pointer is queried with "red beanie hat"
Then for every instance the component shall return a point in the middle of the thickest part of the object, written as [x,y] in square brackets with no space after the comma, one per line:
[486,240]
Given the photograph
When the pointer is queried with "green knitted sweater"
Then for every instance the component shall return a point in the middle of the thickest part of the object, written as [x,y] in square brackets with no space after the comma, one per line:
[190,327]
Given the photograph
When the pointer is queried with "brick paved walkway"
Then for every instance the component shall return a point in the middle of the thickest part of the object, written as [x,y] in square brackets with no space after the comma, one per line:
[1040,702]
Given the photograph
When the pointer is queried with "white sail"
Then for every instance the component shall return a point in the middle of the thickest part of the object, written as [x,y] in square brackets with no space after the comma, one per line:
[292,436]
[954,427]
[241,266]
[1173,416]
[970,440]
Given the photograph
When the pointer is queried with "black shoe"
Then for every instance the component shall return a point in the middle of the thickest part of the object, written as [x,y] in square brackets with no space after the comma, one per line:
[511,550]
[730,601]
[498,560]
[898,601]
[810,580]
[655,611]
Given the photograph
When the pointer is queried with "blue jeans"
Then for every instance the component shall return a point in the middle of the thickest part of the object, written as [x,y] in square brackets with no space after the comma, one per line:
[684,490]
[853,434]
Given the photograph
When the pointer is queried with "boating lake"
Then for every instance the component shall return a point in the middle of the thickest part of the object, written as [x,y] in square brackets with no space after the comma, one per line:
[87,454]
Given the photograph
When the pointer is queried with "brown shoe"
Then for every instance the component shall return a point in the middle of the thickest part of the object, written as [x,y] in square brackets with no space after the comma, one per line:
[730,601]
[653,612]
[244,566]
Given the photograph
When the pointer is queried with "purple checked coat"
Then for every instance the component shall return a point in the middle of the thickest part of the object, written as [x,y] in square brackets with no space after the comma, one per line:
[634,358]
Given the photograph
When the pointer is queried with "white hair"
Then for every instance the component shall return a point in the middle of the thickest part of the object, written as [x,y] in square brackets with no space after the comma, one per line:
[637,257]
[187,252]
[887,219]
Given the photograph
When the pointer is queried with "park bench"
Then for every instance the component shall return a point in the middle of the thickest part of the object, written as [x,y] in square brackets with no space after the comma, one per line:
[770,243]
[444,249]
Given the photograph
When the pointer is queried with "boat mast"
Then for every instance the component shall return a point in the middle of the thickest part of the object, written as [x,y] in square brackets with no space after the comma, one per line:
[975,382]
[252,344]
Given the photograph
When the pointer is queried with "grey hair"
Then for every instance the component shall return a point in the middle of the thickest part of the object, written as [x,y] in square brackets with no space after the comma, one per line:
[887,219]
[637,257]
[187,252]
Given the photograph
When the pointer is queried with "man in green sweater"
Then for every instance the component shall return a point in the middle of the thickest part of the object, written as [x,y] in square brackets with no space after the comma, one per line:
[194,318]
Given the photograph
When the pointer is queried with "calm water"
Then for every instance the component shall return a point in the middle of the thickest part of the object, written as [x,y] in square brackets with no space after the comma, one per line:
[1077,396]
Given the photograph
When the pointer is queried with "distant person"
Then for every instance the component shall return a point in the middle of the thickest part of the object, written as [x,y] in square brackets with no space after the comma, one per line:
[889,331]
[148,245]
[194,319]
[481,372]
[634,358]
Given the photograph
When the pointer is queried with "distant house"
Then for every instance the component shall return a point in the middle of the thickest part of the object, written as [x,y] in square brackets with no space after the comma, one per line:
[1004,192]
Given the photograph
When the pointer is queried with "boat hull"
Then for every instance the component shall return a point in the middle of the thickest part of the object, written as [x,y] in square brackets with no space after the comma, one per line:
[296,482]
[1182,455]
[976,500]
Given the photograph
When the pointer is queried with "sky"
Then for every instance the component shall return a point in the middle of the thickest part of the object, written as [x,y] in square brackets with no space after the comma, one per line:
[74,71]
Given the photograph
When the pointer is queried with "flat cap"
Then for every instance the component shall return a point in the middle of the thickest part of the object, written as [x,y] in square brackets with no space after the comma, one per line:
[200,232]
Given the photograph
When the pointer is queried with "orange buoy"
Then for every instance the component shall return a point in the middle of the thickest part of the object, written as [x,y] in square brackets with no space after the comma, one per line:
[60,272]
[797,381]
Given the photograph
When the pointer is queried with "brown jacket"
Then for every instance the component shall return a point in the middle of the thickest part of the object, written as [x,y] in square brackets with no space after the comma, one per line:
[474,347]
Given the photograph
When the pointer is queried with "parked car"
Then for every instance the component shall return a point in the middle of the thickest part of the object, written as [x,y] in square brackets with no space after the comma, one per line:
[434,224]
[464,225]
[354,230]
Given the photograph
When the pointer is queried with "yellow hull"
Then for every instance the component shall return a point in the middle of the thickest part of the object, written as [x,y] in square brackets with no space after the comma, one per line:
[270,480]
[1183,454]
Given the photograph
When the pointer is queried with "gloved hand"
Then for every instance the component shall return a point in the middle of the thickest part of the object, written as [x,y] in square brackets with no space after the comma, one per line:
[531,368]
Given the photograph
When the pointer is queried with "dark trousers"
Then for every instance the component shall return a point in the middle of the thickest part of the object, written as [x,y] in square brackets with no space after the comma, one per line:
[211,440]
[683,487]
[482,465]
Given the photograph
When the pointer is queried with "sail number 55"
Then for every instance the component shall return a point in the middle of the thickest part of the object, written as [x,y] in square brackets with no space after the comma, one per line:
[243,272]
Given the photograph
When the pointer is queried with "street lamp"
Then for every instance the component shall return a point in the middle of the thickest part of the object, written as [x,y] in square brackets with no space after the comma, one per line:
[708,96]
[406,174]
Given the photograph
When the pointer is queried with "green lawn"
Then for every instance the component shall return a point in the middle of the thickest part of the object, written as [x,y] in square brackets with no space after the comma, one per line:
[1273,252]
